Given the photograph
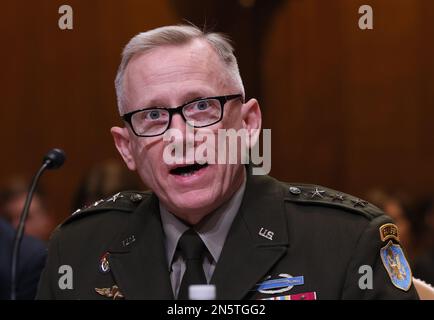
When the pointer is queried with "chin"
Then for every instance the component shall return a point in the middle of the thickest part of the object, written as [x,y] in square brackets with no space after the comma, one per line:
[193,203]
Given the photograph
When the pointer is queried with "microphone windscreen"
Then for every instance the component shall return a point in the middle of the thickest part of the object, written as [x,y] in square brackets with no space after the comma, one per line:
[54,158]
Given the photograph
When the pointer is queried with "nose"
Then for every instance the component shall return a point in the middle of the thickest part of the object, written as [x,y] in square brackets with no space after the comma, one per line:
[184,136]
[184,131]
[178,123]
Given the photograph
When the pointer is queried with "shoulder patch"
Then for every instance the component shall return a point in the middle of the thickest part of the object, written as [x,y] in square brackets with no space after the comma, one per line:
[396,265]
[122,201]
[318,195]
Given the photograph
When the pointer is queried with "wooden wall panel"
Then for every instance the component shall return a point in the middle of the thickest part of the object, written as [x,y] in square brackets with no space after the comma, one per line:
[355,106]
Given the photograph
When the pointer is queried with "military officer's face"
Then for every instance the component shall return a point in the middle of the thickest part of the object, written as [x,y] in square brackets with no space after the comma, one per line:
[170,76]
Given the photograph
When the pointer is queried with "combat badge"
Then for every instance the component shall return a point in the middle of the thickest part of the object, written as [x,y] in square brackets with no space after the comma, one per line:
[389,231]
[396,265]
[284,282]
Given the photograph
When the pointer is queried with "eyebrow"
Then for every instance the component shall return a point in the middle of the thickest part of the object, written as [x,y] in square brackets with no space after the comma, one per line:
[186,98]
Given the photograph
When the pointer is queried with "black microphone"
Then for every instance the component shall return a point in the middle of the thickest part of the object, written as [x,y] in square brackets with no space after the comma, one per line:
[53,159]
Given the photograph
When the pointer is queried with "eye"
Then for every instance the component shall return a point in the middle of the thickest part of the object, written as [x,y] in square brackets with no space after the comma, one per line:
[202,105]
[154,115]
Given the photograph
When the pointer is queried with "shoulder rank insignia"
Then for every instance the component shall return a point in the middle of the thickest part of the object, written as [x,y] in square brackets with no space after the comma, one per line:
[112,292]
[396,265]
[317,195]
[126,201]
[389,231]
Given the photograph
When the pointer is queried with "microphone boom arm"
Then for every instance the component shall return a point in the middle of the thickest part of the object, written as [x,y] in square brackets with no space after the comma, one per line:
[53,160]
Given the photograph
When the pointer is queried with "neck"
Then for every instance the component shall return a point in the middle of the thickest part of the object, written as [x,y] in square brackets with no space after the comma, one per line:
[193,218]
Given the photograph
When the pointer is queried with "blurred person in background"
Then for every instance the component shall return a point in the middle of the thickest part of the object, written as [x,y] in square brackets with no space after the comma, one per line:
[33,250]
[13,194]
[393,205]
[415,221]
[104,180]
[31,261]
[424,264]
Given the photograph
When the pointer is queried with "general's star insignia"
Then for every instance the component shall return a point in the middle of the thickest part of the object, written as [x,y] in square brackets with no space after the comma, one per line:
[337,197]
[116,197]
[359,202]
[96,203]
[317,193]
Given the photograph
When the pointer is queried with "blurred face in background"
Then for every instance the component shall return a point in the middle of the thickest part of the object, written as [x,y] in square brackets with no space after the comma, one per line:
[38,223]
[429,220]
[170,76]
[395,210]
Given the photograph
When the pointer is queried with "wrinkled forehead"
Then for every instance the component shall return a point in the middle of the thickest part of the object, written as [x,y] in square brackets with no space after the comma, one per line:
[174,70]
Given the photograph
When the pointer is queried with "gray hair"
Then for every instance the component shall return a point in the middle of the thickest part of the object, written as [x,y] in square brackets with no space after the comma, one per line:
[175,35]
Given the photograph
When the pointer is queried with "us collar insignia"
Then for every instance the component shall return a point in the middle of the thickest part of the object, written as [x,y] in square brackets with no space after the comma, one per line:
[112,292]
[267,234]
[284,283]
[396,265]
[389,231]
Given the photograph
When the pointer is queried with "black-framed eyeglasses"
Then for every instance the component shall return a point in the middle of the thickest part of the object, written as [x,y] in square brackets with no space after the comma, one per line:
[199,113]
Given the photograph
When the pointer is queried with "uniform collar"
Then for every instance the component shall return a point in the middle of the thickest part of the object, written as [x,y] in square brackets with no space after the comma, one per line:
[246,257]
[212,230]
[136,255]
[258,238]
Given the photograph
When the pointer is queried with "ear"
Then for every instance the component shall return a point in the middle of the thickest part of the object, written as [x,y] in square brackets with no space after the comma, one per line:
[122,139]
[252,120]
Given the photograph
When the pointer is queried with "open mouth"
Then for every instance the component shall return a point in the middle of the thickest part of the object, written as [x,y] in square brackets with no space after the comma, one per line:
[188,170]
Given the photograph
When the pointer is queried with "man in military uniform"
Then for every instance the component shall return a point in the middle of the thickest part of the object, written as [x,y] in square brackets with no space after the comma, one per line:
[251,236]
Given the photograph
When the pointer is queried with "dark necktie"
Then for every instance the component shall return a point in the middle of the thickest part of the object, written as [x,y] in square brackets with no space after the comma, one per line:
[192,250]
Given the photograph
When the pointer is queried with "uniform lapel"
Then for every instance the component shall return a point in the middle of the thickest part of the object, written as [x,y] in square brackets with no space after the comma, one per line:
[256,241]
[137,257]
